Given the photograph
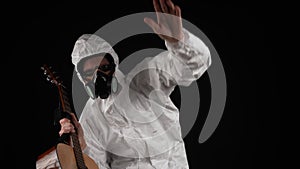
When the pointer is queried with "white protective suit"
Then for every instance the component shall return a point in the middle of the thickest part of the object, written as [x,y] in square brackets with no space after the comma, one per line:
[138,126]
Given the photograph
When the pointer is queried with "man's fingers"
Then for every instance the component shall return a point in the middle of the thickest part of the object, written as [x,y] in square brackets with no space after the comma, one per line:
[74,119]
[164,6]
[171,7]
[63,121]
[152,24]
[178,11]
[66,128]
[61,132]
[157,6]
[77,125]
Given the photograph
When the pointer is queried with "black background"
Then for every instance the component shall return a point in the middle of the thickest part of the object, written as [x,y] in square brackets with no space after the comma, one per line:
[248,135]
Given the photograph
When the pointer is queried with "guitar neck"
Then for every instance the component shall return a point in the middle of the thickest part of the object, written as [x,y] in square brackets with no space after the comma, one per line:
[66,106]
[77,151]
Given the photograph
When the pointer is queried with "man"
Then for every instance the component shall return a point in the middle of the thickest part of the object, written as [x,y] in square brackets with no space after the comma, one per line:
[130,121]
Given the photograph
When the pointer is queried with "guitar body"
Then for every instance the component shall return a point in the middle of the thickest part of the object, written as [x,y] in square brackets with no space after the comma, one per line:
[66,157]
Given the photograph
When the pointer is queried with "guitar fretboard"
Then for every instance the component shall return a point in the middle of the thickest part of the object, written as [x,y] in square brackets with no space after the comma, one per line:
[74,136]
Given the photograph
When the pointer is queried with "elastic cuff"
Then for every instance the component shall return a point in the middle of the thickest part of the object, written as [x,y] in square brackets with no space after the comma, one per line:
[180,44]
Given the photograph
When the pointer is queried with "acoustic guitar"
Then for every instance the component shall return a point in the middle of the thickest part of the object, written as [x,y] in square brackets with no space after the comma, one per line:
[70,155]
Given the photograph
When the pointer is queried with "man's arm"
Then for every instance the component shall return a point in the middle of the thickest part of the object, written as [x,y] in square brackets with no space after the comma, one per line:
[187,52]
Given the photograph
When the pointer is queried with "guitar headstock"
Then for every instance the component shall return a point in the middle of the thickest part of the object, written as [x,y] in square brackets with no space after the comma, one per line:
[51,75]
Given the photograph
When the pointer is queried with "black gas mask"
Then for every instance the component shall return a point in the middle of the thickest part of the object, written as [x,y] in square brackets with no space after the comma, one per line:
[101,84]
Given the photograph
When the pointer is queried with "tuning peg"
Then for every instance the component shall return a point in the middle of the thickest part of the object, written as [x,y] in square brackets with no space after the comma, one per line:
[50,77]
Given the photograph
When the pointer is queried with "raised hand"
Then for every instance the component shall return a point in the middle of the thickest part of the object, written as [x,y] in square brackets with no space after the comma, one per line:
[169,23]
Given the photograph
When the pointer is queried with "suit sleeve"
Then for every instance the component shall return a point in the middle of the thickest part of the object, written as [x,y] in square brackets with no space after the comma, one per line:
[181,64]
